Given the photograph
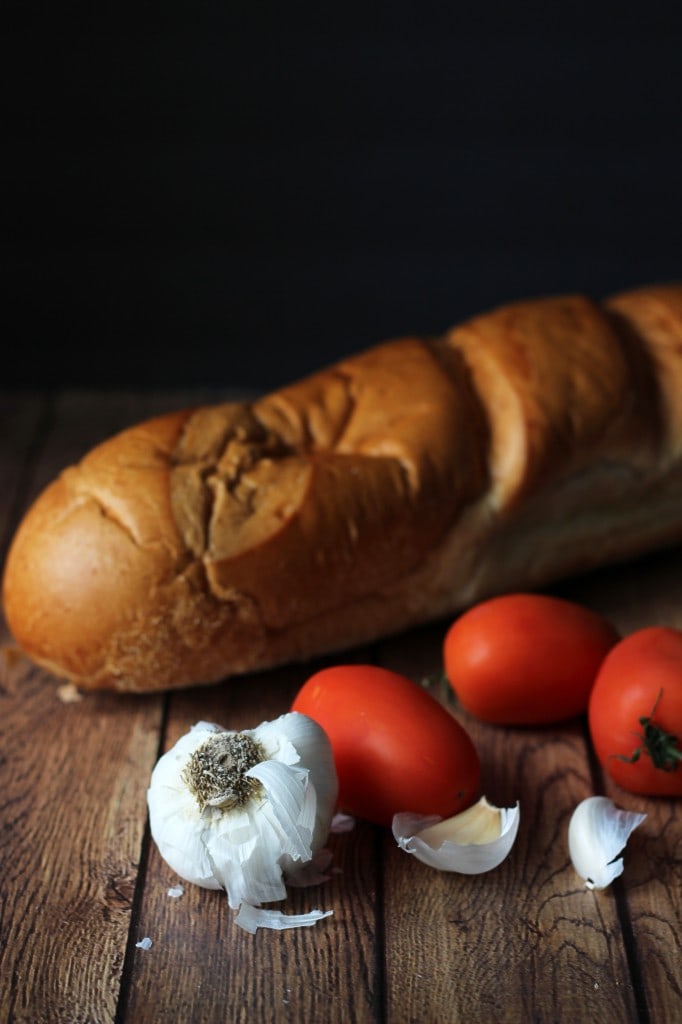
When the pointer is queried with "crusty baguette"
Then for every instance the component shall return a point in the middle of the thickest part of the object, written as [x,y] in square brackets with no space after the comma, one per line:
[396,487]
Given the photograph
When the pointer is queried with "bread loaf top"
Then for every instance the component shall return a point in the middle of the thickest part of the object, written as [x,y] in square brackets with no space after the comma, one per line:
[373,495]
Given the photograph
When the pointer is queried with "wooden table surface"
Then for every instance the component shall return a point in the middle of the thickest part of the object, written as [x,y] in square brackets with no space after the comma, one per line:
[81,883]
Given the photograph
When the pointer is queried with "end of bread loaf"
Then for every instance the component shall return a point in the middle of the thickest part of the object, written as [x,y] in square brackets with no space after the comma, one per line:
[235,537]
[92,556]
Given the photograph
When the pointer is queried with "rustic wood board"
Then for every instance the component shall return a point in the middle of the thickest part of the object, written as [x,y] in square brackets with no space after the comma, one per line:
[81,883]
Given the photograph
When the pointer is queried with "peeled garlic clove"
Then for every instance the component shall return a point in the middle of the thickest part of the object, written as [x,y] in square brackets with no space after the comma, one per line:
[474,841]
[597,834]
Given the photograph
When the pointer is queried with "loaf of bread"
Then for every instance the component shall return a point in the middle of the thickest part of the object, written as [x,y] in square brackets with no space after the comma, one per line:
[397,487]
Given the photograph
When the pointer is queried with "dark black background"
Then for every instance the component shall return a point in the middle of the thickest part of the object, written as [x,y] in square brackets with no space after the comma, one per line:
[235,194]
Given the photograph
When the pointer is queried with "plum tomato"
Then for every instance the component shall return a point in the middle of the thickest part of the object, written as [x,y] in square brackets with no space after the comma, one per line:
[396,748]
[526,659]
[635,712]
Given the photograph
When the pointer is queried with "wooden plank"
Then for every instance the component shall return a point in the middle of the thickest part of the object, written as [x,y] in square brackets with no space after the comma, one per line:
[73,777]
[525,941]
[72,811]
[650,891]
[72,785]
[324,973]
[643,593]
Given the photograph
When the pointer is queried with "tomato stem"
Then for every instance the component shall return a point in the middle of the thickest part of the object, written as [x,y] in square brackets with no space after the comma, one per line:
[661,746]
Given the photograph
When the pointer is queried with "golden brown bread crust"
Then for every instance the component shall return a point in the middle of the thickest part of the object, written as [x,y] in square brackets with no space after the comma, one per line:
[398,486]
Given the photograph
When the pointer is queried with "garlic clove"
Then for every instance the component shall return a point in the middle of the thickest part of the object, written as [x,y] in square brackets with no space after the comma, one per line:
[472,842]
[597,833]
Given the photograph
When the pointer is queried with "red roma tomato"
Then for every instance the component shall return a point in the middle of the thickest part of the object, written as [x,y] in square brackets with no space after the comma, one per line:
[396,748]
[635,712]
[526,659]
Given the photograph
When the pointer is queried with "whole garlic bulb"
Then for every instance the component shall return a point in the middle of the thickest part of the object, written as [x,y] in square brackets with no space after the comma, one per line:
[244,811]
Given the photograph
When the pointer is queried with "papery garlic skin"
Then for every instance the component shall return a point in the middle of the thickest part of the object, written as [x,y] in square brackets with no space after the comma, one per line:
[249,849]
[472,842]
[252,918]
[597,833]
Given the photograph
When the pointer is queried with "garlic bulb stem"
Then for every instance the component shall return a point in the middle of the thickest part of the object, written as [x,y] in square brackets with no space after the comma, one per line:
[216,773]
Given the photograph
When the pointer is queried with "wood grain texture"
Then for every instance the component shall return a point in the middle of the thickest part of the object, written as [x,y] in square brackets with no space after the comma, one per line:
[524,941]
[72,810]
[72,804]
[325,973]
[650,894]
[81,883]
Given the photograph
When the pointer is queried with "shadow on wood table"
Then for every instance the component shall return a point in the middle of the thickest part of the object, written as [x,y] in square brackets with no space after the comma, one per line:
[81,883]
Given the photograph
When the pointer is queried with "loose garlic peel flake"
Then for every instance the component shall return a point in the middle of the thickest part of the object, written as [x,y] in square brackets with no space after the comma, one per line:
[470,843]
[597,834]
